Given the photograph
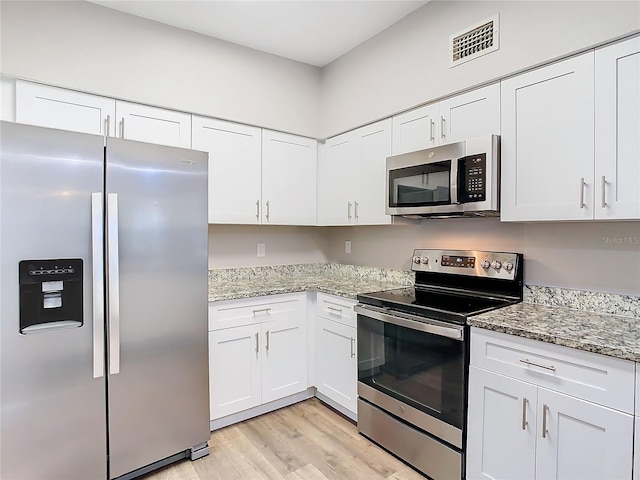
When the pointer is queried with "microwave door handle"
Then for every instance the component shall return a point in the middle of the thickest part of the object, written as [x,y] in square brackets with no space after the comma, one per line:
[453,180]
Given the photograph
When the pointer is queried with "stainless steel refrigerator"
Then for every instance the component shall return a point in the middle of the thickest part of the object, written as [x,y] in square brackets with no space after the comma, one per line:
[103,305]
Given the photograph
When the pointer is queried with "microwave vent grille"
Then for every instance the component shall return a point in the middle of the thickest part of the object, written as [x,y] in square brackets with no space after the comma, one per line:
[474,41]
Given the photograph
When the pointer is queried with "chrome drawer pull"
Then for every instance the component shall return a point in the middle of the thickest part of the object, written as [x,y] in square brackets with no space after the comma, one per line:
[267,346]
[334,309]
[266,310]
[257,344]
[353,343]
[545,408]
[528,362]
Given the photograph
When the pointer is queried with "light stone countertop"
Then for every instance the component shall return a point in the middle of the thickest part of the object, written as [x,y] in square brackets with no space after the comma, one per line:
[541,318]
[602,323]
[343,280]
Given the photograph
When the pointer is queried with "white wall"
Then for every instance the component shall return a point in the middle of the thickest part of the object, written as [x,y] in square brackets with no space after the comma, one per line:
[233,246]
[407,64]
[597,256]
[87,47]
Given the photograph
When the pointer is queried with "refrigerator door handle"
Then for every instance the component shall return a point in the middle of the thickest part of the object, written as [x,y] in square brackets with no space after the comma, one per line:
[97,264]
[114,283]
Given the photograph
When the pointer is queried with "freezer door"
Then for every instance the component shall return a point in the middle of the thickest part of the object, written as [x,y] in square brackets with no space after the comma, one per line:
[53,405]
[157,298]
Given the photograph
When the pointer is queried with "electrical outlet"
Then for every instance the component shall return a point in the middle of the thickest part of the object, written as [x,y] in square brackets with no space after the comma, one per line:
[261,250]
[347,246]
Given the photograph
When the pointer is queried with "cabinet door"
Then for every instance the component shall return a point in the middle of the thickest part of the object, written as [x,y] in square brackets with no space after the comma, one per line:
[53,107]
[153,125]
[338,180]
[288,179]
[469,115]
[284,357]
[547,142]
[636,454]
[502,427]
[415,130]
[617,110]
[582,440]
[234,370]
[337,364]
[234,169]
[375,147]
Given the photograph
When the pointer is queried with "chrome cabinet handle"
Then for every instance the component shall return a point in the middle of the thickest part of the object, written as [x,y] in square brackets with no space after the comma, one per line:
[353,348]
[582,185]
[107,121]
[258,210]
[122,128]
[97,267]
[267,346]
[334,309]
[528,362]
[355,209]
[442,127]
[431,125]
[524,413]
[603,182]
[545,408]
[113,274]
[257,341]
[259,310]
[349,210]
[267,210]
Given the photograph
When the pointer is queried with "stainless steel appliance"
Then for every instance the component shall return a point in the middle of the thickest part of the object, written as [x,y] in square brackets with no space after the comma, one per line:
[103,306]
[413,354]
[450,180]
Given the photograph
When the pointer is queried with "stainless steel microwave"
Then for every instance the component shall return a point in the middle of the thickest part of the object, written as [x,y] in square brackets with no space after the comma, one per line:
[456,179]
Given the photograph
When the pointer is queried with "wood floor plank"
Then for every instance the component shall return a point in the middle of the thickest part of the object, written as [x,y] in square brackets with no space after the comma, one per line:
[306,441]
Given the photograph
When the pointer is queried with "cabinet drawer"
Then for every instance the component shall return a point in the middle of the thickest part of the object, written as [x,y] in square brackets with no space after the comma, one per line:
[597,378]
[234,313]
[337,309]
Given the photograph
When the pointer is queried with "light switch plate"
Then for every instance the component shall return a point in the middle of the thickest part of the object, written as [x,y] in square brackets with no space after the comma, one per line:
[261,250]
[347,246]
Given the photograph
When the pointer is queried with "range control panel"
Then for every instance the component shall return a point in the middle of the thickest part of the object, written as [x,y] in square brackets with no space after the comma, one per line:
[475,263]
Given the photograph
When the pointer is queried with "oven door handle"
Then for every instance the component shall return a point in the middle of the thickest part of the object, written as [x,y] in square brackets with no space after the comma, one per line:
[414,322]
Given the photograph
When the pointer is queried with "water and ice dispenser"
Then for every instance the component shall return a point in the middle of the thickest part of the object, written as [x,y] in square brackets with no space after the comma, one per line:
[50,294]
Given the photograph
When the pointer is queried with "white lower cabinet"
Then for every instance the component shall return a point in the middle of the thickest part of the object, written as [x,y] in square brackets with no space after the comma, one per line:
[336,347]
[521,430]
[260,361]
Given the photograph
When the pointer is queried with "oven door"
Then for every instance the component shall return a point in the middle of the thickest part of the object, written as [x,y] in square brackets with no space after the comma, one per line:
[415,368]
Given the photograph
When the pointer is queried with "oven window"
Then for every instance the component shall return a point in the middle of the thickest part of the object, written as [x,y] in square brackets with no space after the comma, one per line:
[420,185]
[421,369]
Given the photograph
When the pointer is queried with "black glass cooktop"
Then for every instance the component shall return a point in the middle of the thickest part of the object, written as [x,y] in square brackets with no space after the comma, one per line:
[433,304]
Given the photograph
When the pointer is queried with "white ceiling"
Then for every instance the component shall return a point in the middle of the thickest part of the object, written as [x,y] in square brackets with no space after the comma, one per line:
[309,31]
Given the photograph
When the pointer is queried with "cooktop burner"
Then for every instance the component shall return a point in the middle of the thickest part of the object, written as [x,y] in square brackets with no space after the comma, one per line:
[453,285]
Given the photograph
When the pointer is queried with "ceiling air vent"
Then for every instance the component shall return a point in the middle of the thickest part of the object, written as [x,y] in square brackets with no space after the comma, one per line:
[473,42]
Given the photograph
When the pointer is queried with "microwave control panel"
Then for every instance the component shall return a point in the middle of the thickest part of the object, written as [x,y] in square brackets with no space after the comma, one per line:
[472,172]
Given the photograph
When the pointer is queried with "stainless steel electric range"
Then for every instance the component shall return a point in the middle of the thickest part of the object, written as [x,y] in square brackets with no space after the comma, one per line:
[413,354]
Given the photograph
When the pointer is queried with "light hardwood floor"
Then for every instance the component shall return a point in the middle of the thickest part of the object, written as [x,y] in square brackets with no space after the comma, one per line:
[306,441]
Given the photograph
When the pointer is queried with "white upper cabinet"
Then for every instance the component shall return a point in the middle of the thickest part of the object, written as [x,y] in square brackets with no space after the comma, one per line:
[351,177]
[234,169]
[53,107]
[617,111]
[468,115]
[416,129]
[338,179]
[153,125]
[289,164]
[547,142]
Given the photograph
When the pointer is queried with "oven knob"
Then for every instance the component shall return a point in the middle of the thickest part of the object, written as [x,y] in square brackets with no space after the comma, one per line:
[416,259]
[485,264]
[496,265]
[508,266]
[424,260]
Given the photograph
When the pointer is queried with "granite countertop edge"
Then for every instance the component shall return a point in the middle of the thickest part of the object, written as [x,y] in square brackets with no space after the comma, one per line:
[581,330]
